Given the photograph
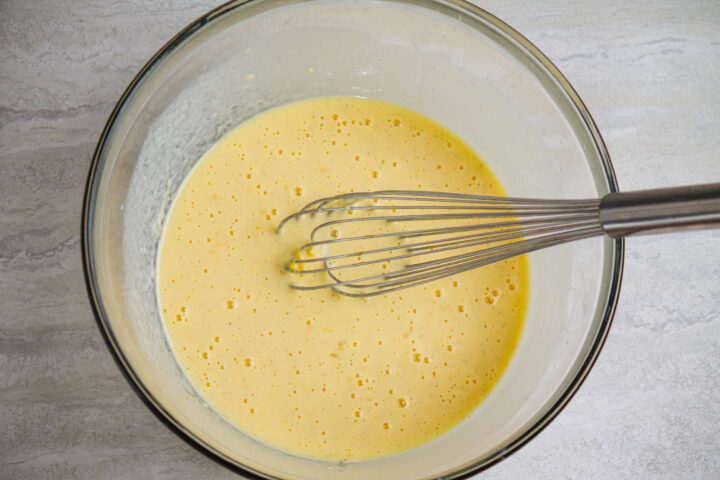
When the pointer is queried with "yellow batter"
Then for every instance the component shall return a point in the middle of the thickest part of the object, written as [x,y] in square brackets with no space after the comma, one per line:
[316,373]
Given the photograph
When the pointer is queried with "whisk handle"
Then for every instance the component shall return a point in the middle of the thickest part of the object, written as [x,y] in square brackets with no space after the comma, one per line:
[661,210]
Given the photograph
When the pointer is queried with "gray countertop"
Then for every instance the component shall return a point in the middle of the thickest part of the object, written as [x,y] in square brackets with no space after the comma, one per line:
[648,71]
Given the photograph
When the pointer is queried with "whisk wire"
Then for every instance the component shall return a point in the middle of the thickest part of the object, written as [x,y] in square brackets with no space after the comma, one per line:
[490,229]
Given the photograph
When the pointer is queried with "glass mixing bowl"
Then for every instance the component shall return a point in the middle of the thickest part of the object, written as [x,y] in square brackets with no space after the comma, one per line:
[445,59]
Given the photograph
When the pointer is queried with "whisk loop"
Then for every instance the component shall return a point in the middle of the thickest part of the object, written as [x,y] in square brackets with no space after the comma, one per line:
[365,244]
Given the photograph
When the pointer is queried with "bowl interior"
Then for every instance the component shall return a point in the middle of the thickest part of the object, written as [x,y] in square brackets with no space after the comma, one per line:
[459,67]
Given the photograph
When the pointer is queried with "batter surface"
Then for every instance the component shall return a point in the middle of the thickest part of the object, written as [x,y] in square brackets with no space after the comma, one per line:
[316,373]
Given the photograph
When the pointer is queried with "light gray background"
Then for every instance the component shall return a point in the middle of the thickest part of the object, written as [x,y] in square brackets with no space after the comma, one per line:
[648,71]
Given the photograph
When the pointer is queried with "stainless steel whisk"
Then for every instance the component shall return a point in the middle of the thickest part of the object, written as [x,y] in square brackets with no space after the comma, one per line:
[373,243]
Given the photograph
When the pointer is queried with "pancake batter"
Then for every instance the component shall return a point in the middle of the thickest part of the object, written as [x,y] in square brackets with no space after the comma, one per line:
[316,373]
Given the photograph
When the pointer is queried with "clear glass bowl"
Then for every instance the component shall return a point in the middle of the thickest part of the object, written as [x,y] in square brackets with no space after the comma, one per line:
[446,59]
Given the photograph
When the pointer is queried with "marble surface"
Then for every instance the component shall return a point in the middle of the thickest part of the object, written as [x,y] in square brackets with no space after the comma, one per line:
[649,71]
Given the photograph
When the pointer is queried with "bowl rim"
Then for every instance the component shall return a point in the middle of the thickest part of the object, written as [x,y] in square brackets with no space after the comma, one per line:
[92,183]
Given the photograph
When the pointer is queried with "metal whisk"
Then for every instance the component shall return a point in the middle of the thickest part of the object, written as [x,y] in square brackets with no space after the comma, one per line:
[365,244]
